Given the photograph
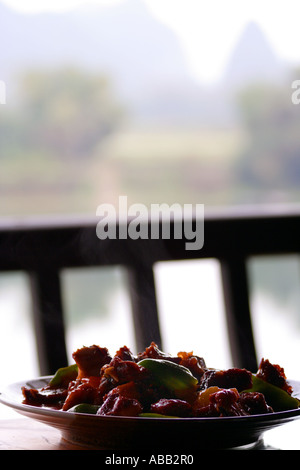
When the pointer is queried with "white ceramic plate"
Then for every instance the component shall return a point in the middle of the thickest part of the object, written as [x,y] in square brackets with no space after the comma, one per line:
[122,433]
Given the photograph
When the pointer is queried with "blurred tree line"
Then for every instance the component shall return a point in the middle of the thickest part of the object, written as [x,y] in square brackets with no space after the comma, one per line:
[58,119]
[53,123]
[64,113]
[271,158]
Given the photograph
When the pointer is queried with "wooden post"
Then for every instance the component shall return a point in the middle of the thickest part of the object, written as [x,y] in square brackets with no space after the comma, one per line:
[144,307]
[236,298]
[48,320]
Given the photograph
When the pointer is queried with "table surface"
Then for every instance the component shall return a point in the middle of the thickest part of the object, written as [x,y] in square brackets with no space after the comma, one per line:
[27,434]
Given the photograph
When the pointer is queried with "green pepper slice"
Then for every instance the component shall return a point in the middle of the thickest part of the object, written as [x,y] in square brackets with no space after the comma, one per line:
[174,377]
[64,375]
[155,415]
[84,408]
[275,397]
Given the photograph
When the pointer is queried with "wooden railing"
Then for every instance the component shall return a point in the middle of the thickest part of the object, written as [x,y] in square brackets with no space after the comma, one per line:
[43,247]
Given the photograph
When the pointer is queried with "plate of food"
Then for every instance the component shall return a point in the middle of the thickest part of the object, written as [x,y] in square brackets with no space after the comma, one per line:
[156,401]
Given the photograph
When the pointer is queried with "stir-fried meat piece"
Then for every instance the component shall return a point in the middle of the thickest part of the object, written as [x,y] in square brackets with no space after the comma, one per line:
[128,390]
[118,405]
[195,364]
[125,354]
[208,411]
[90,360]
[172,407]
[86,390]
[226,402]
[120,371]
[241,379]
[273,374]
[254,403]
[142,390]
[45,396]
[223,402]
[153,352]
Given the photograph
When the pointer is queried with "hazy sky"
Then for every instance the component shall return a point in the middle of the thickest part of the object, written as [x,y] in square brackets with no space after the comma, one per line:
[209,29]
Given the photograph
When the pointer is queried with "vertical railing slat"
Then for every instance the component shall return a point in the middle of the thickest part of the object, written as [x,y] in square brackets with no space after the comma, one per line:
[144,306]
[48,320]
[236,299]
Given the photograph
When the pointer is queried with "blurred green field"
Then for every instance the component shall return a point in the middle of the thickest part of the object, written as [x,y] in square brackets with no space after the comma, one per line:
[170,165]
[157,165]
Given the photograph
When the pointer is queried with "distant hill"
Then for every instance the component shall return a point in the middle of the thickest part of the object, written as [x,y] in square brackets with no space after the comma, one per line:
[123,40]
[253,60]
[143,57]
